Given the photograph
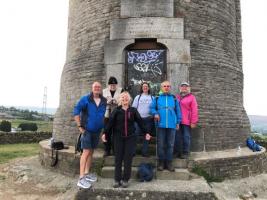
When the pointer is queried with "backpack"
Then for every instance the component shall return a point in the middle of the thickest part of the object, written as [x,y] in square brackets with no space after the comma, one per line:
[145,172]
[253,145]
[55,146]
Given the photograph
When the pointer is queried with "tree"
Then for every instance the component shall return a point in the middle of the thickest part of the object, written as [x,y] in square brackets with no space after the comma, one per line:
[5,126]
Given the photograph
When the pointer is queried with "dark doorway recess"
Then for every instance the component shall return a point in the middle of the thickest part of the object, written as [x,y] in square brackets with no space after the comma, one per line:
[145,61]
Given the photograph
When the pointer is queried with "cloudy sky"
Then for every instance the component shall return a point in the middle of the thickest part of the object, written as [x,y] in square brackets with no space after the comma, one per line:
[33,47]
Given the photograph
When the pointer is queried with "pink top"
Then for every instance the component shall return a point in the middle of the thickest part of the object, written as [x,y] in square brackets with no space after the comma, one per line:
[189,109]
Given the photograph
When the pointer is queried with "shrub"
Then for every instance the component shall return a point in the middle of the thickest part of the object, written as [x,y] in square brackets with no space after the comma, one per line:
[5,126]
[28,126]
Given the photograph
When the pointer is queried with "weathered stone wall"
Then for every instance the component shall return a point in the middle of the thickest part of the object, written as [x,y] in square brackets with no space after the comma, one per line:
[23,137]
[232,165]
[89,25]
[215,72]
[213,28]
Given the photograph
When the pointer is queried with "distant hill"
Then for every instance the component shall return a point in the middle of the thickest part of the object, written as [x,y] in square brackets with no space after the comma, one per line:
[258,123]
[50,111]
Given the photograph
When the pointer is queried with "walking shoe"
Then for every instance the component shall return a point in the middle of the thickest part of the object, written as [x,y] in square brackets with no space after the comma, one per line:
[107,153]
[145,155]
[117,184]
[124,184]
[178,155]
[169,166]
[160,165]
[91,178]
[185,156]
[82,183]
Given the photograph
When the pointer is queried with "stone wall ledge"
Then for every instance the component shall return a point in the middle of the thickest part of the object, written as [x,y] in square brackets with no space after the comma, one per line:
[226,154]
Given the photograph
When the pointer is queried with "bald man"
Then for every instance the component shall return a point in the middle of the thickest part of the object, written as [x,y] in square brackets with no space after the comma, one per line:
[94,105]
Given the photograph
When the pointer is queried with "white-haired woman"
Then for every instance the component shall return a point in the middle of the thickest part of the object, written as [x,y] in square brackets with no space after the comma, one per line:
[122,121]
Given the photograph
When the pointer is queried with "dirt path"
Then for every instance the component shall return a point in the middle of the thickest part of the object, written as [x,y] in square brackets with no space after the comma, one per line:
[26,179]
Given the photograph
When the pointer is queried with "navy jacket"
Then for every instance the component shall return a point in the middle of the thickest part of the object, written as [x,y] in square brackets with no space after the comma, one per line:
[95,114]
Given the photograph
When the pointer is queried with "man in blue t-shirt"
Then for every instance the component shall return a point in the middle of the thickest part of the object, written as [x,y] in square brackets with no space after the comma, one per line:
[94,105]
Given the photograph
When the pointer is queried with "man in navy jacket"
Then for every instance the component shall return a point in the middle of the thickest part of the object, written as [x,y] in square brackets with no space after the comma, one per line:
[94,106]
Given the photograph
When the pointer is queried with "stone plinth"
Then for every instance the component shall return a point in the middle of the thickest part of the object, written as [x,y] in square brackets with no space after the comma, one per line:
[228,164]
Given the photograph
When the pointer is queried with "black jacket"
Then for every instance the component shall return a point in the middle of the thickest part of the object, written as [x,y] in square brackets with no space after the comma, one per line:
[122,122]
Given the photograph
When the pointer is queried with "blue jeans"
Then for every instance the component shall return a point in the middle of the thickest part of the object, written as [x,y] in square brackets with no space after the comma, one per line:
[165,140]
[183,140]
[149,123]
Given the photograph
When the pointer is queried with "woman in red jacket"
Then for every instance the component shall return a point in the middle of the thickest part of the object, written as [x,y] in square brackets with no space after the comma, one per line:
[122,121]
[189,110]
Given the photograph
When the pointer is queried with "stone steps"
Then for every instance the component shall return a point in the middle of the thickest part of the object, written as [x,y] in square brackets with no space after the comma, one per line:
[178,174]
[154,190]
[137,160]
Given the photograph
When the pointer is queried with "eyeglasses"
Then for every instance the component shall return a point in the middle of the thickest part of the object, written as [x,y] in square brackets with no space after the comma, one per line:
[167,86]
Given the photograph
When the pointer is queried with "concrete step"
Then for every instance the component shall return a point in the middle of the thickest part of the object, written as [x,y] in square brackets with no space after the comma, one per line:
[178,174]
[137,160]
[154,190]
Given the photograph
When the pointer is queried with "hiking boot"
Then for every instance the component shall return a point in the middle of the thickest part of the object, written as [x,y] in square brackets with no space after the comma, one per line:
[124,184]
[160,165]
[107,153]
[82,183]
[178,155]
[146,155]
[185,156]
[170,166]
[117,184]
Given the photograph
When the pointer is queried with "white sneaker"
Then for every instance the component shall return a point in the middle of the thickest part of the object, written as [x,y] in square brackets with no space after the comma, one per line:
[82,183]
[91,178]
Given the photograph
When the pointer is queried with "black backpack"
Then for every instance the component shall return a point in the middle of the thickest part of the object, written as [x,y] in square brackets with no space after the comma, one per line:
[55,146]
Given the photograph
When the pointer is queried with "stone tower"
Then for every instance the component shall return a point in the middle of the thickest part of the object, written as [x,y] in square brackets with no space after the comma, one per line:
[180,40]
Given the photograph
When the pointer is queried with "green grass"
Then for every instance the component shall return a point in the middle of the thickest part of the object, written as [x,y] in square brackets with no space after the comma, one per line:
[12,151]
[42,125]
[201,172]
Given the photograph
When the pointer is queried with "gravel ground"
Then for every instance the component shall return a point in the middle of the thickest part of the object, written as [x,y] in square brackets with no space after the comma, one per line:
[25,179]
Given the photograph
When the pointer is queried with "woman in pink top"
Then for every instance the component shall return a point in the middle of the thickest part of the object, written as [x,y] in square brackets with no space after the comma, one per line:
[189,110]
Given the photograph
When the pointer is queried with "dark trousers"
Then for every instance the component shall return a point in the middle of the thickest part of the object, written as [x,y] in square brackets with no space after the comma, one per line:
[124,152]
[149,124]
[183,140]
[109,143]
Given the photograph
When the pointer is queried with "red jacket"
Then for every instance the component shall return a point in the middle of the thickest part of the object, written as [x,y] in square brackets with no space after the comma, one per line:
[189,109]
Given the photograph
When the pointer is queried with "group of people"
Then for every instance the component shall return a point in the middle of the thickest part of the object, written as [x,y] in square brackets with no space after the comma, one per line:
[112,110]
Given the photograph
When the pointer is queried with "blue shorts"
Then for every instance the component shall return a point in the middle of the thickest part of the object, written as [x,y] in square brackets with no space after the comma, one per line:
[89,140]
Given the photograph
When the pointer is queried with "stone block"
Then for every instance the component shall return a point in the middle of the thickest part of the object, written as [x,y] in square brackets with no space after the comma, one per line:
[178,174]
[147,8]
[116,70]
[178,49]
[197,140]
[114,51]
[177,73]
[147,27]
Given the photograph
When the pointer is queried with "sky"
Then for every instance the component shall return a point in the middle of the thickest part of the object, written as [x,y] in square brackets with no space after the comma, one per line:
[33,41]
